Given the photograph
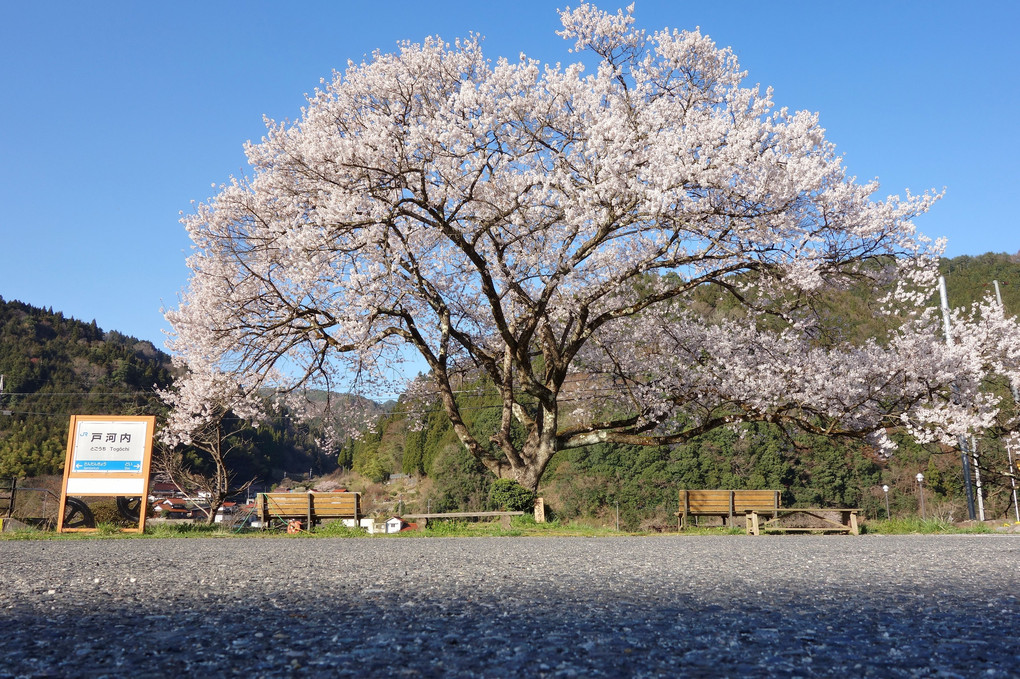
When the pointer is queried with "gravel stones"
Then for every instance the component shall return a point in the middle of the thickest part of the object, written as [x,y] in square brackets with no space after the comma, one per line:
[774,606]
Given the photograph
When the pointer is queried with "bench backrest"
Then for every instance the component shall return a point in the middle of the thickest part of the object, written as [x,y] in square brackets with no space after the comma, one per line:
[7,488]
[315,505]
[717,502]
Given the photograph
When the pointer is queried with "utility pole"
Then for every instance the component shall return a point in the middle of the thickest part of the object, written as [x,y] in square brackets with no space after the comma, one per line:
[2,411]
[964,461]
[1012,480]
[977,479]
[1009,450]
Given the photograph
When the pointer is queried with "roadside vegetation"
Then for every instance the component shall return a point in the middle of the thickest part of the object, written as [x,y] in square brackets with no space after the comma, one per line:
[521,526]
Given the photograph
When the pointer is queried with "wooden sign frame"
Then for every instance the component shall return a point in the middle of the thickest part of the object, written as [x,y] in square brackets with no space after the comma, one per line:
[106,458]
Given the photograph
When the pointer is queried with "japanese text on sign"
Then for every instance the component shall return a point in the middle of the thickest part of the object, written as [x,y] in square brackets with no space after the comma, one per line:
[109,446]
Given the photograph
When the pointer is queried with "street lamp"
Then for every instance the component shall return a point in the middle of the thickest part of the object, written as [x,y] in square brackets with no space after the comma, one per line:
[885,489]
[920,489]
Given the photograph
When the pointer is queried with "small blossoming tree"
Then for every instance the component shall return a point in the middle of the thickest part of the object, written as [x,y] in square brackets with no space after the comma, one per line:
[207,411]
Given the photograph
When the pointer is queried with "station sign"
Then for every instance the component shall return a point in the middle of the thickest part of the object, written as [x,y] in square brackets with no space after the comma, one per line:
[108,455]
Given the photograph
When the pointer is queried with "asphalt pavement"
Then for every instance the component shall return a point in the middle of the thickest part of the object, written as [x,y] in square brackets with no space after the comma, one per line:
[670,606]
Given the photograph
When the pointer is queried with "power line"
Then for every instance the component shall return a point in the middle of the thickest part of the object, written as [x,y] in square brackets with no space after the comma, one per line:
[79,393]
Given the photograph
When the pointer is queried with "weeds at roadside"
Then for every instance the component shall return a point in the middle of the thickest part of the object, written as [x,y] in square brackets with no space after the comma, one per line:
[916,525]
[336,529]
[185,530]
[520,526]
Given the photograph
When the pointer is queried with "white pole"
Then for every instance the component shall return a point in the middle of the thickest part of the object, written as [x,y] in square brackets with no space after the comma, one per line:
[964,461]
[1012,481]
[977,479]
[945,309]
[1009,450]
[2,411]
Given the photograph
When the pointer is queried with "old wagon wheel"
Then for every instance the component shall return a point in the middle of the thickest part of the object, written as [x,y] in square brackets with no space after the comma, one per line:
[77,514]
[129,507]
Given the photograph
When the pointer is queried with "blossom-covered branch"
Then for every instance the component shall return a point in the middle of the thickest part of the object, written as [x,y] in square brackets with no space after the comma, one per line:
[538,223]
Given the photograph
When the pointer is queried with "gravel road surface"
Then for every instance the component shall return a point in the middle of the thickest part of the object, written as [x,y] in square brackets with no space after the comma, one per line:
[771,606]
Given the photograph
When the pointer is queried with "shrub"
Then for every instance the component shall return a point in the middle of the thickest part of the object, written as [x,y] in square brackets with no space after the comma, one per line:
[509,496]
[448,527]
[337,529]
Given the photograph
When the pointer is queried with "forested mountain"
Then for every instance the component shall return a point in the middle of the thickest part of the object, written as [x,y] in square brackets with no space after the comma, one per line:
[970,278]
[56,366]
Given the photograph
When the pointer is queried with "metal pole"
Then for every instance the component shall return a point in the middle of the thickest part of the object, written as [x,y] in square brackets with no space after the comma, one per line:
[944,297]
[977,479]
[1012,481]
[964,461]
[1013,469]
[885,489]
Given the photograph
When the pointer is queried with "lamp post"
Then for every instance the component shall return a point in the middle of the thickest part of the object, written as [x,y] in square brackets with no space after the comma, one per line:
[920,489]
[885,489]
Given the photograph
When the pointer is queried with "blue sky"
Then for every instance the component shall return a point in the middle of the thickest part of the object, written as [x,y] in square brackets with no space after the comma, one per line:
[116,115]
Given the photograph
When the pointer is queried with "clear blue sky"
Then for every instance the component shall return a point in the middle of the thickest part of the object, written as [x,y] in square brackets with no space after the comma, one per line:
[116,115]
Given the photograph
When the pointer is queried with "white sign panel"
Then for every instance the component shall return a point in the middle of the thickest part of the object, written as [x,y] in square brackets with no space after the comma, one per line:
[102,446]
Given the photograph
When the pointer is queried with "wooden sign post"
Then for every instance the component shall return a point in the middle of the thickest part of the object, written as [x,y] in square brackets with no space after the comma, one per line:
[108,455]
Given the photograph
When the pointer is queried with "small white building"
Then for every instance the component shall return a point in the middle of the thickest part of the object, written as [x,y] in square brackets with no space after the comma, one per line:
[370,525]
[392,525]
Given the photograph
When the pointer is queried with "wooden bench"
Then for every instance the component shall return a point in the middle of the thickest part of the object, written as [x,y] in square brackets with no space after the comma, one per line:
[423,519]
[312,507]
[8,486]
[724,503]
[804,520]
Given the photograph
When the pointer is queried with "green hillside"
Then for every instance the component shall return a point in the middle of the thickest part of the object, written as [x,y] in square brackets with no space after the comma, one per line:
[54,367]
[643,481]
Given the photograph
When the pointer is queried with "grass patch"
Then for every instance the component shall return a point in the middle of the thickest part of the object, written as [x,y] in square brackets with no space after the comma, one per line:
[336,529]
[166,529]
[520,526]
[915,525]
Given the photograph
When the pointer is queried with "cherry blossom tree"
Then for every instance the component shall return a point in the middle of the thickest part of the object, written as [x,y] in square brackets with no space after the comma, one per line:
[550,227]
[207,410]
